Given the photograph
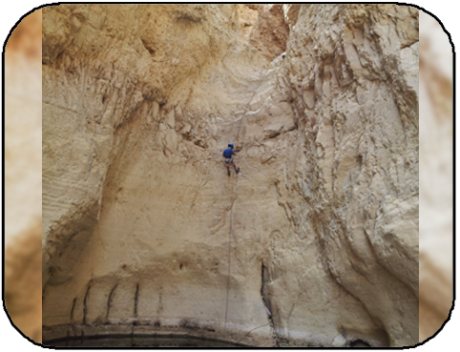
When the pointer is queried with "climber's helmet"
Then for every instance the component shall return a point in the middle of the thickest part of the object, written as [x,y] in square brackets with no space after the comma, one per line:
[231,145]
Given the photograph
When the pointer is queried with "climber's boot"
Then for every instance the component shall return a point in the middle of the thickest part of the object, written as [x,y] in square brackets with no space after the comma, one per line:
[228,172]
[237,170]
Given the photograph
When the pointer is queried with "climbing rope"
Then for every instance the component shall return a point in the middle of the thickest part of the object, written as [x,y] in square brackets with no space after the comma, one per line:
[233,203]
[229,260]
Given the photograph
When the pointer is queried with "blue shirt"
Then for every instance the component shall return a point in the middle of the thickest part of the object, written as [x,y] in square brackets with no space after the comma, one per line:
[228,153]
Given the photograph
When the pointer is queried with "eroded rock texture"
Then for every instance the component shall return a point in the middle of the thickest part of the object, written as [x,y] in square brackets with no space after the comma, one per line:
[314,243]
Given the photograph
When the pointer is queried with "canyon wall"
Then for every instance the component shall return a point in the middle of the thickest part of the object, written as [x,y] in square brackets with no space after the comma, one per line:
[313,243]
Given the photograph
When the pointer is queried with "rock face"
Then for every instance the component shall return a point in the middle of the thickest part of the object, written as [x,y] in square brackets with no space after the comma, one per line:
[314,243]
[271,31]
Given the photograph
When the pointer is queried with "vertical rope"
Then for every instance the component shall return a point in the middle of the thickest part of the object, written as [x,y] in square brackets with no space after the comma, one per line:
[231,210]
[230,233]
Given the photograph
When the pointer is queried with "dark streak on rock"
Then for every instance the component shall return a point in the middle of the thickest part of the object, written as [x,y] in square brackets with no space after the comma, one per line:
[267,303]
[82,336]
[109,302]
[136,300]
[72,309]
[262,289]
[85,308]
[74,330]
[43,293]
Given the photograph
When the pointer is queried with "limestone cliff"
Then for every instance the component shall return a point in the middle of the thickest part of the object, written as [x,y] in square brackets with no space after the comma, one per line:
[314,243]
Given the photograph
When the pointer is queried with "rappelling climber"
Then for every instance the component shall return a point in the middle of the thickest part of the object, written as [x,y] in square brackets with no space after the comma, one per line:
[228,157]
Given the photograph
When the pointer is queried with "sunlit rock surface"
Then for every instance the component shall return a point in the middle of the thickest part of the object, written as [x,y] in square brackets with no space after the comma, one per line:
[314,243]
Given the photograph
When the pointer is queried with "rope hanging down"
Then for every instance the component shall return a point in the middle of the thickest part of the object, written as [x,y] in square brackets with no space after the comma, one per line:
[230,233]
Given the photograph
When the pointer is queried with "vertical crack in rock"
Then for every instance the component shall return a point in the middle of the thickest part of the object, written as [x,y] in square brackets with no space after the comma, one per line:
[72,309]
[67,335]
[109,303]
[267,303]
[85,302]
[43,293]
[99,201]
[230,233]
[136,301]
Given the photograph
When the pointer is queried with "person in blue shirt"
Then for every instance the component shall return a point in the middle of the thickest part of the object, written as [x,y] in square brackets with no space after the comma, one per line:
[228,157]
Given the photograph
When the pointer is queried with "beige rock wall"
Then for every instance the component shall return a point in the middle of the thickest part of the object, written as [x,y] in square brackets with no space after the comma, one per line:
[354,79]
[315,242]
[271,31]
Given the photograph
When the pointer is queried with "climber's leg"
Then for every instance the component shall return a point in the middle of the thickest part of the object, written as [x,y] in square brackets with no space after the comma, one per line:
[227,166]
[228,161]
